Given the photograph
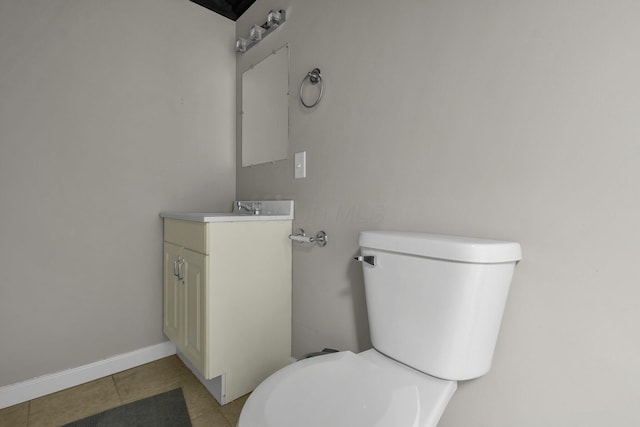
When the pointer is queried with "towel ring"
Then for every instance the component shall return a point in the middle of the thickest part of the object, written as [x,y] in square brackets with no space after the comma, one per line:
[314,77]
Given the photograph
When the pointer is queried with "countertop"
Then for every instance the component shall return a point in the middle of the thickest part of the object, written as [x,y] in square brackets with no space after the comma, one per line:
[223,216]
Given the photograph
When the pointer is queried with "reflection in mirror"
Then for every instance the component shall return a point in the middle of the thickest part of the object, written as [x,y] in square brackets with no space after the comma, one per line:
[265,109]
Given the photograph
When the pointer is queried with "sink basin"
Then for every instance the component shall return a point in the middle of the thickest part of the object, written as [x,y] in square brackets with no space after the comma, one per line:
[270,210]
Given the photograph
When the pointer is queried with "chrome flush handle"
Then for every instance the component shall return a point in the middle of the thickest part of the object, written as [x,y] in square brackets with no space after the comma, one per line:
[369,259]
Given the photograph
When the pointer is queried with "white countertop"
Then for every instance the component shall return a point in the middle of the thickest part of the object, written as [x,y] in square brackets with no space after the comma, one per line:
[269,210]
[223,216]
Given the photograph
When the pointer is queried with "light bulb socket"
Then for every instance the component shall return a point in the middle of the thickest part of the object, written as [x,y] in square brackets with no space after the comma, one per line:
[273,18]
[242,44]
[256,33]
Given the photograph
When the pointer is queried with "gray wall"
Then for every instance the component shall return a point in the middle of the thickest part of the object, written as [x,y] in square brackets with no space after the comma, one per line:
[506,119]
[110,112]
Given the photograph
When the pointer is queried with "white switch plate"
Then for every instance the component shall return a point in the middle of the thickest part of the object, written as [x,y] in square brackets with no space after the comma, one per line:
[300,165]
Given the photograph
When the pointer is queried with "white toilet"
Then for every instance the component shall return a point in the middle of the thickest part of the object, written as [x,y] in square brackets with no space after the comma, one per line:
[435,305]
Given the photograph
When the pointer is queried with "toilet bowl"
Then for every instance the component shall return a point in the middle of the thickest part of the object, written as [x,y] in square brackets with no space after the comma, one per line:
[347,390]
[435,306]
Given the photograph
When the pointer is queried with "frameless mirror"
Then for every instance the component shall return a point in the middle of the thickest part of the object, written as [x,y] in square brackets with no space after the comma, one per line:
[265,109]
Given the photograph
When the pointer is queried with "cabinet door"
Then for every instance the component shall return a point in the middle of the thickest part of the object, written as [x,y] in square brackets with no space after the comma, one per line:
[195,314]
[172,295]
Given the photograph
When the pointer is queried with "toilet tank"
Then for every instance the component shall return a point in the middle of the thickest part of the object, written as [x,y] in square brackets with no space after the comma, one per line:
[435,302]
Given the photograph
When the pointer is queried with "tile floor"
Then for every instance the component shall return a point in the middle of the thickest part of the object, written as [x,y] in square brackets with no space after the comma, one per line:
[124,387]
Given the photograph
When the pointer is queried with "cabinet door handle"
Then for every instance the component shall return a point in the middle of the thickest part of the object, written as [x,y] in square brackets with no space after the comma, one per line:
[175,267]
[180,272]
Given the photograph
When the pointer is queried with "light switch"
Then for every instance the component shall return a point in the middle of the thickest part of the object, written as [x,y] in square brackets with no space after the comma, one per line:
[300,165]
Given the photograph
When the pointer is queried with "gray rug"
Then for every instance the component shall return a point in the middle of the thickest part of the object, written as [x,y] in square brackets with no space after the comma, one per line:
[162,410]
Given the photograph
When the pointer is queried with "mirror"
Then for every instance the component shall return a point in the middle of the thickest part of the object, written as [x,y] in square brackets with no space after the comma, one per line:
[265,109]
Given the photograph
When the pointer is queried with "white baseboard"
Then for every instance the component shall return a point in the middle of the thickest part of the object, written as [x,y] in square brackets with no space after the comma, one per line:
[23,391]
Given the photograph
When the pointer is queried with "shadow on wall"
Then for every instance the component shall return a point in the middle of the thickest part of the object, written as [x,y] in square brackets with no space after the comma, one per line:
[361,318]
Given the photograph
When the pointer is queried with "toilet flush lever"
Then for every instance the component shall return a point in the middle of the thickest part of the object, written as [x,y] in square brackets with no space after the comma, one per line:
[369,259]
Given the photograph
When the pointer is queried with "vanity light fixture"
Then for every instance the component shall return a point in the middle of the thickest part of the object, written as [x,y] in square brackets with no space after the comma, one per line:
[275,18]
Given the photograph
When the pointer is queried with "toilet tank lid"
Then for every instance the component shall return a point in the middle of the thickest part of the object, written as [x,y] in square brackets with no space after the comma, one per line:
[453,248]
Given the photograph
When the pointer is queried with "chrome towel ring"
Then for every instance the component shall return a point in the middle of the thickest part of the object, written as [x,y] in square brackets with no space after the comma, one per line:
[314,77]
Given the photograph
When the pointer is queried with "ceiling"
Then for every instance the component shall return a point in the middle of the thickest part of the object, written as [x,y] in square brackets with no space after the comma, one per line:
[231,9]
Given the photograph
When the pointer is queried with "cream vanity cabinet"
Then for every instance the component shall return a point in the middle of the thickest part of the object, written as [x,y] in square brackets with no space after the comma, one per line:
[227,298]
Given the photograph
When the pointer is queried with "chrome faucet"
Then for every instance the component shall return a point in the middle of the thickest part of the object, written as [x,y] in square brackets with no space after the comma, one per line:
[252,208]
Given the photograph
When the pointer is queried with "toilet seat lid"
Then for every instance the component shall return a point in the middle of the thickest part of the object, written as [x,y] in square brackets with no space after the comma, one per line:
[347,390]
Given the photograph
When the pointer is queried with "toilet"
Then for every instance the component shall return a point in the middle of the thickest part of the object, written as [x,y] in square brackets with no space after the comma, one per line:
[435,306]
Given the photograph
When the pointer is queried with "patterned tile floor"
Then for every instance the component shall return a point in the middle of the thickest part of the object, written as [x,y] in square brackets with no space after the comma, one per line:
[124,387]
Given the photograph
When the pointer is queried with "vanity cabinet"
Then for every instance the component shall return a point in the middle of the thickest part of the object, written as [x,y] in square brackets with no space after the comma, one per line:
[227,300]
